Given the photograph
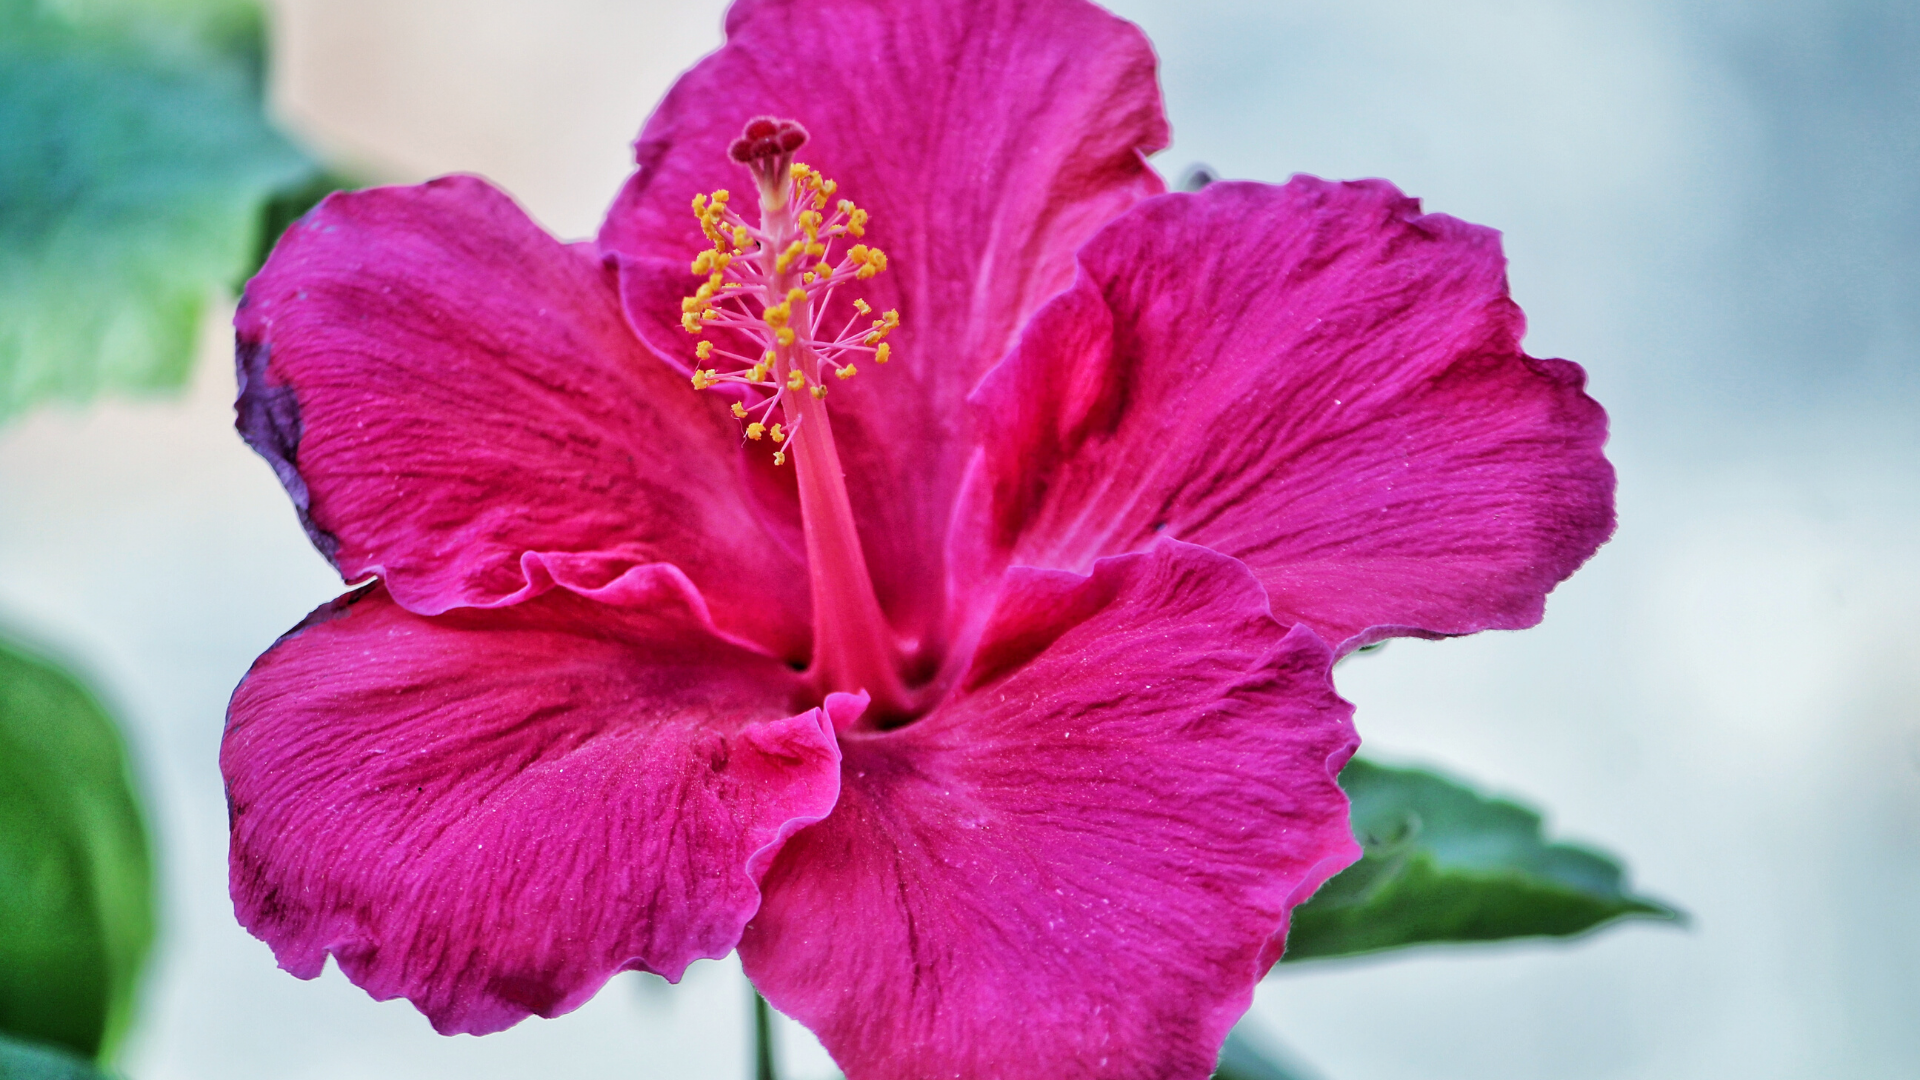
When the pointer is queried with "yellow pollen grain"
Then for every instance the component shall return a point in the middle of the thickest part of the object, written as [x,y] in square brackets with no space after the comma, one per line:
[784,335]
[880,354]
[862,307]
[848,372]
[739,411]
[796,294]
[796,379]
[779,457]
[755,430]
[777,434]
[704,350]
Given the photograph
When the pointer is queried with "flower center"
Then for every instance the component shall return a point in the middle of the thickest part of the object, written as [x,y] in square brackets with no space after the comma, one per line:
[771,282]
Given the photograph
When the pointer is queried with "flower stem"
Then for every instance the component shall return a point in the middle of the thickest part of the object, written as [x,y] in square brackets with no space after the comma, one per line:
[763,1040]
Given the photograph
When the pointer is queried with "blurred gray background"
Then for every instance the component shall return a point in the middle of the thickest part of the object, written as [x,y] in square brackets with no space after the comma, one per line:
[1715,207]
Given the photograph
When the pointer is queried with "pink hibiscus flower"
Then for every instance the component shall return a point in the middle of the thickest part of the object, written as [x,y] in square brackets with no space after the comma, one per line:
[988,711]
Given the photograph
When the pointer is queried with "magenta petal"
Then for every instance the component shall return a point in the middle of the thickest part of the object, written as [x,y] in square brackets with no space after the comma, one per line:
[1081,863]
[445,390]
[490,812]
[1316,379]
[989,138]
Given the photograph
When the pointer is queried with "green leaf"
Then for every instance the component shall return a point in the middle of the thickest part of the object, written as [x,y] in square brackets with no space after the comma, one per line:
[134,168]
[76,879]
[287,206]
[32,1061]
[1445,863]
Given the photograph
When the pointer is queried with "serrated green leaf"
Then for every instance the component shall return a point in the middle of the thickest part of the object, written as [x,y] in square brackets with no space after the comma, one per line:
[76,878]
[135,163]
[33,1061]
[1444,863]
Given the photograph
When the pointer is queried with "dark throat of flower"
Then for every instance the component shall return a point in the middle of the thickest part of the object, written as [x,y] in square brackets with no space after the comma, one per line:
[771,281]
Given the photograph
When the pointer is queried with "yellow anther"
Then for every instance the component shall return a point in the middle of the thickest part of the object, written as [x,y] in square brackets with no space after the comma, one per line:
[739,411]
[815,250]
[779,457]
[829,187]
[856,222]
[777,315]
[846,206]
[880,354]
[755,430]
[778,435]
[862,307]
[786,258]
[784,335]
[876,262]
[799,171]
[720,197]
[796,379]
[690,323]
[848,372]
[807,277]
[700,205]
[883,326]
[818,392]
[740,236]
[704,350]
[709,315]
[703,378]
[823,270]
[796,294]
[809,222]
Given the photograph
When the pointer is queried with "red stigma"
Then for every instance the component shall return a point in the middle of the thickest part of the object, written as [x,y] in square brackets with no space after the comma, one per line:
[767,137]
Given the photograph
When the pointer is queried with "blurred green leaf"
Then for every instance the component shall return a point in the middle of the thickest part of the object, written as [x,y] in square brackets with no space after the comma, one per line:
[1445,863]
[135,164]
[76,879]
[32,1061]
[286,206]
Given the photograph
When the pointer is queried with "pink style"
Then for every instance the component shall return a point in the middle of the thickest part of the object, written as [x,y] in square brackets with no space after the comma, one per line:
[981,701]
